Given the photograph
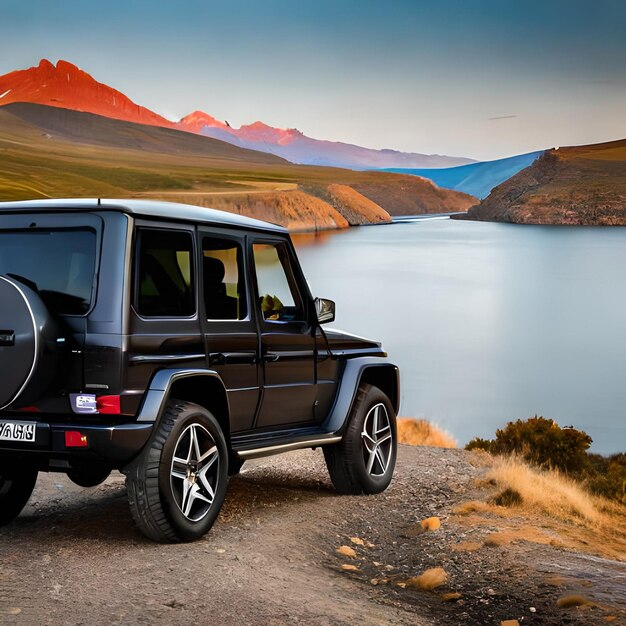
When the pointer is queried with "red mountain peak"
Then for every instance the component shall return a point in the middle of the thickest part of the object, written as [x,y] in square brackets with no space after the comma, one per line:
[68,87]
[45,64]
[259,131]
[196,121]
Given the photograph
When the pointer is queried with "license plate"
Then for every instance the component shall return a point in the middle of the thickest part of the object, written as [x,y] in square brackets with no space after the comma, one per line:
[18,431]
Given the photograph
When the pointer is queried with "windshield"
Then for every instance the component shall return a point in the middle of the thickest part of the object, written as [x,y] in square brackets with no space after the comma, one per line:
[58,264]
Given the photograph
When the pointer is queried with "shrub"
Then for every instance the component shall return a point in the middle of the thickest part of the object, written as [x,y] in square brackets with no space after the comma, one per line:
[606,476]
[541,442]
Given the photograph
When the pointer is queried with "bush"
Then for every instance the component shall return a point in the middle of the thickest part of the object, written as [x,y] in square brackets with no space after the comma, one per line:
[606,476]
[541,442]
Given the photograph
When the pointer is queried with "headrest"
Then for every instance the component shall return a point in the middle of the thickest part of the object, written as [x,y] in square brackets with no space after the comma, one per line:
[213,271]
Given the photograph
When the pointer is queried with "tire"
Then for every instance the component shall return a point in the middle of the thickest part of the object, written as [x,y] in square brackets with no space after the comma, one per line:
[364,460]
[176,487]
[30,353]
[15,490]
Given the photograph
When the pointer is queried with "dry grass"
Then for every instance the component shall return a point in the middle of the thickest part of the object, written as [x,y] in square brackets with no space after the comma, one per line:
[548,508]
[430,579]
[414,432]
[431,523]
[549,492]
[347,551]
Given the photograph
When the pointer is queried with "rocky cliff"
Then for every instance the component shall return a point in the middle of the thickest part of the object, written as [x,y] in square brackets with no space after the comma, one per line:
[581,185]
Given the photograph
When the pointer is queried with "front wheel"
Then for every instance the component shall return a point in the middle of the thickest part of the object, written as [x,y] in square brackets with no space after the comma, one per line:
[364,460]
[16,487]
[177,486]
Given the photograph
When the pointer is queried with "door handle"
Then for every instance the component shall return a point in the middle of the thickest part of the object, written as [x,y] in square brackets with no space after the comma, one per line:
[217,358]
[270,357]
[232,358]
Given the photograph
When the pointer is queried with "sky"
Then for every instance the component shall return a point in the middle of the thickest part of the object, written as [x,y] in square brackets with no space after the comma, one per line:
[477,78]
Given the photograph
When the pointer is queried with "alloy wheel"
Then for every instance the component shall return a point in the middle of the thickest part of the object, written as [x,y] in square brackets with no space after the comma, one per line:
[194,472]
[377,440]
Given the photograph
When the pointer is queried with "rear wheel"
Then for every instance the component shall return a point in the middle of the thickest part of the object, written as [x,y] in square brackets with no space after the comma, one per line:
[364,460]
[16,487]
[177,487]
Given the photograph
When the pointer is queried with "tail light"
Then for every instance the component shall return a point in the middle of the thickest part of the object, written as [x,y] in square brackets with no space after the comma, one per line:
[108,405]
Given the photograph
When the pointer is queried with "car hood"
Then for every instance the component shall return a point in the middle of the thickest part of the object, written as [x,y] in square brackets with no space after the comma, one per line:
[346,344]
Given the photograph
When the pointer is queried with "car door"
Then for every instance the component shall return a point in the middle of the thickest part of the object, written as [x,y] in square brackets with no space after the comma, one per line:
[287,344]
[164,326]
[230,331]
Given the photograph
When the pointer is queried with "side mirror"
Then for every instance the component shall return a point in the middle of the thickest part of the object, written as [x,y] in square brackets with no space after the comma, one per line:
[325,310]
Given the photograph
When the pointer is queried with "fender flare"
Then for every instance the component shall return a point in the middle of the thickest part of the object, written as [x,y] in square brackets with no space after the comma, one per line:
[350,381]
[158,391]
[154,402]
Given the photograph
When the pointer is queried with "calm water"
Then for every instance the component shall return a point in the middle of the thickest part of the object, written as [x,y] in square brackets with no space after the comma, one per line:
[488,322]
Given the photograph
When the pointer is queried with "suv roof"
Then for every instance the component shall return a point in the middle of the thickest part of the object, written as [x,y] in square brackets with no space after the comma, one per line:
[143,208]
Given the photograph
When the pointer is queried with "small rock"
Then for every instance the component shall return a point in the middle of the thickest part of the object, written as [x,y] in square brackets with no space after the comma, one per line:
[349,568]
[346,551]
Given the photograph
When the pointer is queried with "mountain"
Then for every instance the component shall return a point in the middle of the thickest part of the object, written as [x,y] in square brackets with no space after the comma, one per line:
[582,185]
[293,145]
[68,87]
[54,152]
[477,179]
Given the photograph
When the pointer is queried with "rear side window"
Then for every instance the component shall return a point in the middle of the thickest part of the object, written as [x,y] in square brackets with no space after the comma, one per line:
[164,274]
[58,264]
[223,282]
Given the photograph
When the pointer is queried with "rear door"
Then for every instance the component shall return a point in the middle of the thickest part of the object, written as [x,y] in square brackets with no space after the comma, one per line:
[231,338]
[287,341]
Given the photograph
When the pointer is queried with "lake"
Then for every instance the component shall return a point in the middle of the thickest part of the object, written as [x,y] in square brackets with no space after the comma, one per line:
[488,322]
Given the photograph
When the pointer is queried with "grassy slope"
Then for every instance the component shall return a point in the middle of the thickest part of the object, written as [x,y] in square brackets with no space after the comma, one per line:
[48,152]
[583,185]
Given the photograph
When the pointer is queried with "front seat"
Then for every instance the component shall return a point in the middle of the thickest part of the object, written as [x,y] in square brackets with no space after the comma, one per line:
[219,305]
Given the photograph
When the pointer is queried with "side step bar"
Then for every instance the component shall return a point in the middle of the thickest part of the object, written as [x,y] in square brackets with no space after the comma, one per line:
[277,448]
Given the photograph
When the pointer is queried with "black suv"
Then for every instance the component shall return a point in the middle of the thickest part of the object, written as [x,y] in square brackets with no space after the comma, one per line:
[172,343]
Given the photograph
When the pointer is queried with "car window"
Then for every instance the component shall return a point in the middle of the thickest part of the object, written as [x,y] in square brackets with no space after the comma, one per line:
[279,299]
[164,284]
[58,264]
[223,280]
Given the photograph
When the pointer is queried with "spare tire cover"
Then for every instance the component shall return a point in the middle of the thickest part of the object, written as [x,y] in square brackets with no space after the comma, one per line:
[27,343]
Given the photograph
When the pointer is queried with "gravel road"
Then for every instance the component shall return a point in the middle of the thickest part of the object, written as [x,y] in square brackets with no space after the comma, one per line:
[74,557]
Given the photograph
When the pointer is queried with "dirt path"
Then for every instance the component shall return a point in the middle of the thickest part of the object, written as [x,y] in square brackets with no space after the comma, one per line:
[73,556]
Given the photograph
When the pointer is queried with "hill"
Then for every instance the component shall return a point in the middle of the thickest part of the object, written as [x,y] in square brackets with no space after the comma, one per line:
[54,152]
[477,179]
[582,185]
[66,86]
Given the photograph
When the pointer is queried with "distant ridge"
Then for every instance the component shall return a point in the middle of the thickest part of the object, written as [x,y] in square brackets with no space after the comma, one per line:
[66,86]
[295,146]
[577,185]
[477,179]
